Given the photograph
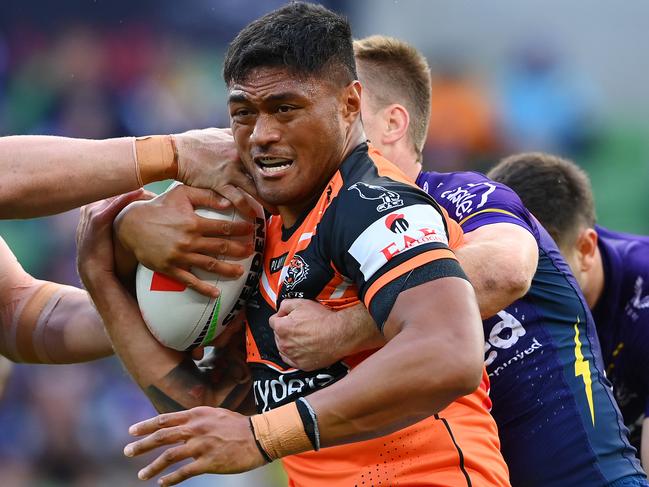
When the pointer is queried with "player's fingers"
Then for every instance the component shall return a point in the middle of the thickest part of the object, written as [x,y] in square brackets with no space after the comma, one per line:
[167,458]
[193,282]
[148,195]
[238,199]
[206,198]
[288,305]
[223,247]
[151,425]
[280,326]
[161,437]
[118,203]
[212,264]
[183,473]
[288,360]
[219,228]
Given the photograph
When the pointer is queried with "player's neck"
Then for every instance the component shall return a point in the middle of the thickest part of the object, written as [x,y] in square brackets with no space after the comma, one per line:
[593,291]
[404,158]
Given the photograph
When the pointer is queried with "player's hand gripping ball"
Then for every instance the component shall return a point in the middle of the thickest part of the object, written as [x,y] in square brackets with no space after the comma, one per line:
[183,319]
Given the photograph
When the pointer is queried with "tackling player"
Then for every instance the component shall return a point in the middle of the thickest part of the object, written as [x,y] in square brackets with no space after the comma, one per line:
[46,322]
[349,229]
[547,381]
[612,269]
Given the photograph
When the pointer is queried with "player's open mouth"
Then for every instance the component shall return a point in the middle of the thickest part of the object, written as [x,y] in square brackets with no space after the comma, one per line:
[273,165]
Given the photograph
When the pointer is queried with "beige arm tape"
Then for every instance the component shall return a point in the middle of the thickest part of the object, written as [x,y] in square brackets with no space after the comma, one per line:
[280,432]
[156,158]
[25,306]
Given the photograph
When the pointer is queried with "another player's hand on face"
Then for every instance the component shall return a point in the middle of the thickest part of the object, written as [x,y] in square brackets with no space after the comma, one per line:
[94,236]
[208,158]
[307,334]
[219,441]
[167,236]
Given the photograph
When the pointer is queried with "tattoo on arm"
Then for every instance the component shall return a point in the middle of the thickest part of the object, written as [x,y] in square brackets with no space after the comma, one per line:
[161,402]
[193,386]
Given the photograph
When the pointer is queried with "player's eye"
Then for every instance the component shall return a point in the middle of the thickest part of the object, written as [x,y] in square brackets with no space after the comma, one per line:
[241,112]
[285,108]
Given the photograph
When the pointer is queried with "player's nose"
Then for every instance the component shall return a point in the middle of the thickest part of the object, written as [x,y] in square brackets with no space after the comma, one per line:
[266,131]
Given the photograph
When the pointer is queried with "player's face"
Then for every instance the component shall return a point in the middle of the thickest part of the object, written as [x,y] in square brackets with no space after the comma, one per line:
[290,133]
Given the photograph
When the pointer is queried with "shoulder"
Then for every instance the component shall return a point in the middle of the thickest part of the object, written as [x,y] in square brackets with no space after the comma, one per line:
[373,186]
[474,200]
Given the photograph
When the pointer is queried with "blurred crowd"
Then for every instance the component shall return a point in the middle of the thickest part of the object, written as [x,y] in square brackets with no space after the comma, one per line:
[66,425]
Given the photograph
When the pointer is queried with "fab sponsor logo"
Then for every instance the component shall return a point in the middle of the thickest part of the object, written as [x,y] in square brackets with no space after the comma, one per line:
[397,232]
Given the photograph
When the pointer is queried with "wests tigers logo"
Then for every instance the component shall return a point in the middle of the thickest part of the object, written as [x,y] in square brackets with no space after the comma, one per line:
[296,272]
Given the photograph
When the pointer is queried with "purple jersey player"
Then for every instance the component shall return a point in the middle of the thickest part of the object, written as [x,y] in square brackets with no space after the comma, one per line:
[612,269]
[542,356]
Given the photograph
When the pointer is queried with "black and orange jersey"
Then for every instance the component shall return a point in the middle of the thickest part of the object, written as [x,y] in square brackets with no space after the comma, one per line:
[370,236]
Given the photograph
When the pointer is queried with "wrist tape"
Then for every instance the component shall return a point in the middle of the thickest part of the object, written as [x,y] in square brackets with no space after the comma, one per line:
[286,430]
[156,158]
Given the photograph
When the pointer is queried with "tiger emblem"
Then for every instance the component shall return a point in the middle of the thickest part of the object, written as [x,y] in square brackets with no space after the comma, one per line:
[296,272]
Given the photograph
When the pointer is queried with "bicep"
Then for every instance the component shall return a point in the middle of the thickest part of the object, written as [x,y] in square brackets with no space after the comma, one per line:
[445,308]
[507,246]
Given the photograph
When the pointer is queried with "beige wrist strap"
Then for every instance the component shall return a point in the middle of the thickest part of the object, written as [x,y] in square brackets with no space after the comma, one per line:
[280,432]
[156,158]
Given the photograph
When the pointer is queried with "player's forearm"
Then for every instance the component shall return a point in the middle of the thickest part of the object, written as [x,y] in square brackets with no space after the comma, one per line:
[417,374]
[500,268]
[170,379]
[44,175]
[358,331]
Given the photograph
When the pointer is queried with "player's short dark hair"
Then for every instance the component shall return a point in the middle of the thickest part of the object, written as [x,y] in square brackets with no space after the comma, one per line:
[306,38]
[555,190]
[400,74]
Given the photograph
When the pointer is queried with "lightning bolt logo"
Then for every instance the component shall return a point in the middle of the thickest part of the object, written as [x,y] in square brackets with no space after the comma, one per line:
[582,367]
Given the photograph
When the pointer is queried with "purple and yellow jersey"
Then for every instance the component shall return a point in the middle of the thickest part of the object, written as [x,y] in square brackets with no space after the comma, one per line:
[622,319]
[557,418]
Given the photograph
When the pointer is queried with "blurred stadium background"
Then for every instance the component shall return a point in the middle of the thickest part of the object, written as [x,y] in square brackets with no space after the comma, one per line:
[565,77]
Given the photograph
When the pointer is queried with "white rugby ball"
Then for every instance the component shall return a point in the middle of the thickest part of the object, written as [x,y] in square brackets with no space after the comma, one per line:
[183,319]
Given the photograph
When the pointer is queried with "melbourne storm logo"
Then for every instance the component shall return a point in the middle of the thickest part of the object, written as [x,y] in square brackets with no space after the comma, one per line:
[389,199]
[296,272]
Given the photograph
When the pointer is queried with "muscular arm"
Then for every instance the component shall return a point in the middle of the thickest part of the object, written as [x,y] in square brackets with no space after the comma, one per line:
[170,379]
[500,260]
[378,397]
[46,322]
[44,175]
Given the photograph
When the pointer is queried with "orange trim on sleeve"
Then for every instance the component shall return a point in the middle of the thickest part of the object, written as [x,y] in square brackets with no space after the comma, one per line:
[409,265]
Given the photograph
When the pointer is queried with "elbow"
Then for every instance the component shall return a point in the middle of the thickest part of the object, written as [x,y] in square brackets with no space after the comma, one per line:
[465,377]
[461,374]
[519,282]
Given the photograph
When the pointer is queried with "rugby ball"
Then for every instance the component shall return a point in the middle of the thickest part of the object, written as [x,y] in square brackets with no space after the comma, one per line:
[183,319]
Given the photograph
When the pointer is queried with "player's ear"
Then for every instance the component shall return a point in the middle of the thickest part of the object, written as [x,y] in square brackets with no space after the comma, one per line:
[352,101]
[398,121]
[586,248]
